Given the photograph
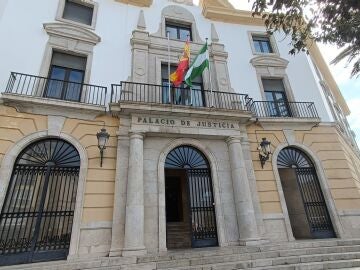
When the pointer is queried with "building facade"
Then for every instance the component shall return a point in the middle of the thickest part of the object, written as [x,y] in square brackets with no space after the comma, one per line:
[182,168]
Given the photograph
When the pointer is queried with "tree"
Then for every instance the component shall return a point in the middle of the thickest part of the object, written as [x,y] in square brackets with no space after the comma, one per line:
[305,21]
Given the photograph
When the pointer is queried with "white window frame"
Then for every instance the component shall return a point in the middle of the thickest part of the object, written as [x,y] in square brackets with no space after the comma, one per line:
[89,3]
[274,48]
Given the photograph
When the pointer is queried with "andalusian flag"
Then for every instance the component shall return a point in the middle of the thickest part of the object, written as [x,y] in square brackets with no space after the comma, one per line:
[200,63]
[178,76]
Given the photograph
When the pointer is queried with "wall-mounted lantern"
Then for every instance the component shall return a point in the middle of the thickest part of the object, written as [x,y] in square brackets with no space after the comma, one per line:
[103,138]
[264,151]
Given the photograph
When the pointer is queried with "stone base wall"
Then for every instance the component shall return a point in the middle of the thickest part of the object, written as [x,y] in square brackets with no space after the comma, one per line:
[93,234]
[338,163]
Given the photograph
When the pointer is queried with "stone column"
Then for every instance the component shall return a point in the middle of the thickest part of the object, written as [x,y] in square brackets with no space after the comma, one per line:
[252,182]
[243,202]
[134,221]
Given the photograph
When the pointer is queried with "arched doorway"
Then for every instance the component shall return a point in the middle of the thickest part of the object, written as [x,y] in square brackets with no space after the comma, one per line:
[308,213]
[190,208]
[37,215]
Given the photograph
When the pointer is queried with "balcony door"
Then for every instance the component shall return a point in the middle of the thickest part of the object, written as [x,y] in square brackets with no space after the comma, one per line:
[277,104]
[181,95]
[66,77]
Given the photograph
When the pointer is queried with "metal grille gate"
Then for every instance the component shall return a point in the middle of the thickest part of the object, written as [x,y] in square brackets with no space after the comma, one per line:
[37,214]
[202,208]
[314,203]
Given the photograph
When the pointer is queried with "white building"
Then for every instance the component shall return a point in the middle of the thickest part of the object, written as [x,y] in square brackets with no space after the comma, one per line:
[181,168]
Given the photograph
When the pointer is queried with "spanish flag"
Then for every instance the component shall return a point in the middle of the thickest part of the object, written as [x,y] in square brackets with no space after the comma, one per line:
[178,76]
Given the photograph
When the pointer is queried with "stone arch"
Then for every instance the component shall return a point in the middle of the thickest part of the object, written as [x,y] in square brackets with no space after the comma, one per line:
[7,165]
[161,188]
[323,184]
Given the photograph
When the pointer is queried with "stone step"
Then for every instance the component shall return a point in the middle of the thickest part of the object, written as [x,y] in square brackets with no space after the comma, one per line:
[276,256]
[283,251]
[233,262]
[348,264]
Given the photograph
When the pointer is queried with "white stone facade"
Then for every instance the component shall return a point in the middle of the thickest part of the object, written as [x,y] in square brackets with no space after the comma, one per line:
[128,43]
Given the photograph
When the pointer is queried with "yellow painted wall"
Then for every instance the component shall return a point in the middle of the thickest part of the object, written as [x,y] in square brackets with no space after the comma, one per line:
[99,188]
[340,164]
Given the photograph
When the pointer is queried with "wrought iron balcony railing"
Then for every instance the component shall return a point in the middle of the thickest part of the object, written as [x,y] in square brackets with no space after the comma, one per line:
[129,92]
[284,109]
[35,86]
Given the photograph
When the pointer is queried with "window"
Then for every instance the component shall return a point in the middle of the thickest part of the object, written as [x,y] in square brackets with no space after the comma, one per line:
[262,44]
[78,12]
[178,31]
[181,95]
[66,77]
[277,104]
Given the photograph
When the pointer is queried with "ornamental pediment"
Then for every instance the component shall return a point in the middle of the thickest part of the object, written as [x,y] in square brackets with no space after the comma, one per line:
[269,61]
[71,32]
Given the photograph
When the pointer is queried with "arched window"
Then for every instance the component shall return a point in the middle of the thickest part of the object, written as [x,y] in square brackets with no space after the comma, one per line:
[37,215]
[308,213]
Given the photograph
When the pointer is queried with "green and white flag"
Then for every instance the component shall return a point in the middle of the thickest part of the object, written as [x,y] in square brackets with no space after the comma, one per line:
[197,67]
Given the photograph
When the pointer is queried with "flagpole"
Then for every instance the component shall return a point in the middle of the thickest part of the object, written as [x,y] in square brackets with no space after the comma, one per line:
[169,89]
[210,78]
[191,91]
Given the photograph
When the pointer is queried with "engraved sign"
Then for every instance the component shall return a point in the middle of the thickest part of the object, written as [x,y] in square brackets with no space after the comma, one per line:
[179,122]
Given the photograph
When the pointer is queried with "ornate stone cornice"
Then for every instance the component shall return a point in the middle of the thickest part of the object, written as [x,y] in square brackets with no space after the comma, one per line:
[72,32]
[269,61]
[221,10]
[139,3]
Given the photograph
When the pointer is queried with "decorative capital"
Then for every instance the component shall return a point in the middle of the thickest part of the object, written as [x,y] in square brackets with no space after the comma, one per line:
[137,135]
[231,140]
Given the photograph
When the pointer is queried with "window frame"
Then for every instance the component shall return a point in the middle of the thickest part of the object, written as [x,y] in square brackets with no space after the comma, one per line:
[277,106]
[272,42]
[179,26]
[88,3]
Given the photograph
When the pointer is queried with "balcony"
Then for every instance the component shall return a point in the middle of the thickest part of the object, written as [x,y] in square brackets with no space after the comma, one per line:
[177,99]
[271,109]
[41,90]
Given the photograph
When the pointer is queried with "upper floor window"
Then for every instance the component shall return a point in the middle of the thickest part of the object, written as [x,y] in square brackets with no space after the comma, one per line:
[78,12]
[276,97]
[178,31]
[66,77]
[262,44]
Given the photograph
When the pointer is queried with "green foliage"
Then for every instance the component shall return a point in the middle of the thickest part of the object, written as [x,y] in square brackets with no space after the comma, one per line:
[329,21]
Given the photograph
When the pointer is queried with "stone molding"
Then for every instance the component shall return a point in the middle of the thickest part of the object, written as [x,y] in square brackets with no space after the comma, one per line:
[139,3]
[71,32]
[54,107]
[7,165]
[274,67]
[324,187]
[68,38]
[220,221]
[270,60]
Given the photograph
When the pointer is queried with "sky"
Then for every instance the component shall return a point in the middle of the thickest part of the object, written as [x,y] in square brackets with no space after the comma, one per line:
[350,88]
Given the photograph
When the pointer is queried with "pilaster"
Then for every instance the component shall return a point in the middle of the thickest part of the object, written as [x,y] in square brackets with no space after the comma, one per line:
[219,67]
